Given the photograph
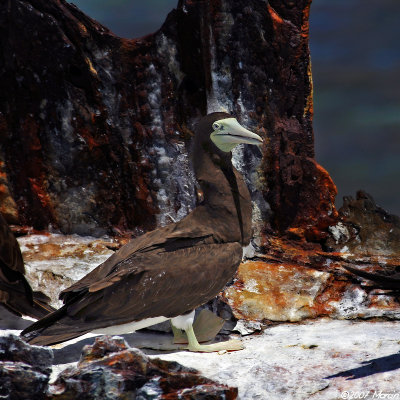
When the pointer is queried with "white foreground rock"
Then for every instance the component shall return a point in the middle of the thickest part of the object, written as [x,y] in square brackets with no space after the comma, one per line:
[320,360]
[324,359]
[314,359]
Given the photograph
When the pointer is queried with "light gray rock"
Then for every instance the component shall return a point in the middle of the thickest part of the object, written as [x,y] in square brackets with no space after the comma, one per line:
[24,369]
[314,360]
[317,359]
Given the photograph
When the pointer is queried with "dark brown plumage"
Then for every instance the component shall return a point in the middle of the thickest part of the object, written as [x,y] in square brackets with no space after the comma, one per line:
[170,271]
[15,292]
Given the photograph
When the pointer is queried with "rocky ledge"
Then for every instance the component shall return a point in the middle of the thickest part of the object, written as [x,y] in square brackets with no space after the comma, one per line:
[109,369]
[321,359]
[287,280]
[24,369]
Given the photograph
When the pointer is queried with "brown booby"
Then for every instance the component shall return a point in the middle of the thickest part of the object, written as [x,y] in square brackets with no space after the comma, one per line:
[167,273]
[16,294]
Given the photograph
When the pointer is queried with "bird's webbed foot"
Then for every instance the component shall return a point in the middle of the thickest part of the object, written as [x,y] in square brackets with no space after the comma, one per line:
[230,345]
[194,345]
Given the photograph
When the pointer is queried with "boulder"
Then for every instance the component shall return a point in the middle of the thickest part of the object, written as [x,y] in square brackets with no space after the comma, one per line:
[95,129]
[110,369]
[24,369]
[365,228]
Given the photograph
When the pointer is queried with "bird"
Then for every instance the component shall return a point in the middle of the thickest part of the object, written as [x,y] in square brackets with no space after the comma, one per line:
[387,280]
[167,273]
[16,294]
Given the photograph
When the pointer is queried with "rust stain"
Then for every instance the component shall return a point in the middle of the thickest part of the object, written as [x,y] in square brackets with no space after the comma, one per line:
[39,190]
[8,207]
[275,291]
[309,108]
[319,212]
[82,29]
[294,280]
[305,27]
[91,68]
[49,251]
[89,139]
[276,19]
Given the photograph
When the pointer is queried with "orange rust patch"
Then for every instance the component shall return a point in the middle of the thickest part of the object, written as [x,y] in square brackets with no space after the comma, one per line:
[8,207]
[41,193]
[379,300]
[277,292]
[82,29]
[320,213]
[89,139]
[51,250]
[333,292]
[276,19]
[305,27]
[297,280]
[309,108]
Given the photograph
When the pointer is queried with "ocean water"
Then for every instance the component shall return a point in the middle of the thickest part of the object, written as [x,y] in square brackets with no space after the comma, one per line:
[356,70]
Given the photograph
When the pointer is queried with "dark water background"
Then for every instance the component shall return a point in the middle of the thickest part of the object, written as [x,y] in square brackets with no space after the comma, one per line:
[355,53]
[356,68]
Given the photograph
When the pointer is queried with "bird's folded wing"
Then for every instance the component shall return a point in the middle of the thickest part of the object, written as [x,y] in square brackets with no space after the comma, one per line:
[173,284]
[10,253]
[163,239]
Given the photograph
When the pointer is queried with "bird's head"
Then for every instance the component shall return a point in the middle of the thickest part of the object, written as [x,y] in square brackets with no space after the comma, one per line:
[228,133]
[224,132]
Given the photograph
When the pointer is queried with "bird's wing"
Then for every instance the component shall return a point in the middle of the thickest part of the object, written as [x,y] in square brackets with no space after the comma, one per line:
[14,298]
[10,253]
[15,292]
[163,239]
[150,285]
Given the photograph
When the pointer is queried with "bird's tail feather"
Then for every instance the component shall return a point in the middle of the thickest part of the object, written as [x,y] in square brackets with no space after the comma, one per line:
[49,340]
[50,330]
[17,302]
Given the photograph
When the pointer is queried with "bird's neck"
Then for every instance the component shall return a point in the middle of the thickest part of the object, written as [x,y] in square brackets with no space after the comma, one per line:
[226,198]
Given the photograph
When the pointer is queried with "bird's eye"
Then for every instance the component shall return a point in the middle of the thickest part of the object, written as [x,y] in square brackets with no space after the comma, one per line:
[215,126]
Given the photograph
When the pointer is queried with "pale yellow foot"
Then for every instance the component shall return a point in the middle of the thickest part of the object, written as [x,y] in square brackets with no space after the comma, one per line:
[230,345]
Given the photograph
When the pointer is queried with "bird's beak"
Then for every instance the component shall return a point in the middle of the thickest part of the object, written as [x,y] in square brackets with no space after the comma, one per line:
[228,133]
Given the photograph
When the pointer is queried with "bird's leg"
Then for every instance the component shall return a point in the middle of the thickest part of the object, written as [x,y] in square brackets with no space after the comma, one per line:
[179,335]
[194,345]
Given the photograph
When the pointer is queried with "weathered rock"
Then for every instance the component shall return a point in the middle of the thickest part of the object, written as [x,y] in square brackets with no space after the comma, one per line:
[316,359]
[8,207]
[24,369]
[276,292]
[292,283]
[110,369]
[54,262]
[365,228]
[94,130]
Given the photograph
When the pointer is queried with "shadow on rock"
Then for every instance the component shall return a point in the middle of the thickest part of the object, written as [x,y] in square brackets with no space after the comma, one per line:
[149,342]
[9,320]
[371,367]
[72,352]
